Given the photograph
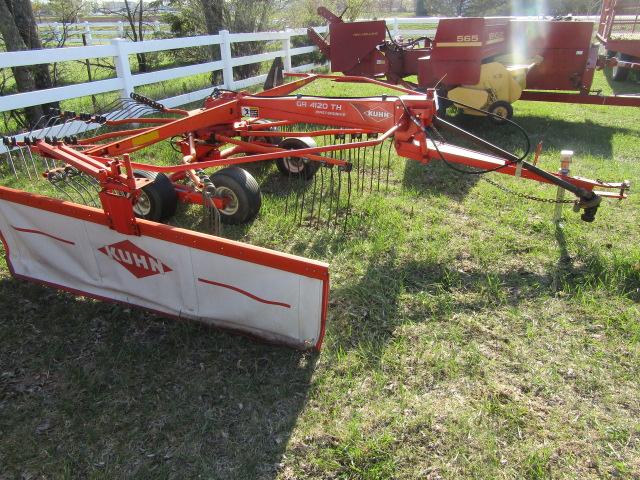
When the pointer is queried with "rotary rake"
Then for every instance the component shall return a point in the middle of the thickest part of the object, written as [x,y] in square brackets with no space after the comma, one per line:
[315,141]
[329,149]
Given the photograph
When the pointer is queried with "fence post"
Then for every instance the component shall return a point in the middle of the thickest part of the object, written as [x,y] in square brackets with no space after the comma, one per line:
[121,29]
[123,68]
[87,34]
[156,26]
[286,46]
[225,54]
[396,27]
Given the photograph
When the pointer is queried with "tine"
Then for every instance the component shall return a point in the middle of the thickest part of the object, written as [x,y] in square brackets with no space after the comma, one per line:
[373,160]
[348,208]
[388,163]
[77,178]
[35,169]
[365,154]
[288,193]
[71,184]
[330,195]
[313,196]
[296,187]
[379,167]
[13,166]
[321,195]
[56,178]
[338,196]
[301,186]
[24,162]
[52,122]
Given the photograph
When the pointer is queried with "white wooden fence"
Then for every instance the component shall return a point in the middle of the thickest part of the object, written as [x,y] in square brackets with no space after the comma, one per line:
[95,32]
[126,81]
[104,32]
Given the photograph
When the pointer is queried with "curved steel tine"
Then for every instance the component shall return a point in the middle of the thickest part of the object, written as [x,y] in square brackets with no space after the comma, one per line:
[348,209]
[286,199]
[330,195]
[24,162]
[389,162]
[335,223]
[77,179]
[13,167]
[321,195]
[55,179]
[35,169]
[304,193]
[313,196]
[53,121]
[71,184]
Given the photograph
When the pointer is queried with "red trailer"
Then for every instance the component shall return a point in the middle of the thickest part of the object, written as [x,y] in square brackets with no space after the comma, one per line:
[619,32]
[486,63]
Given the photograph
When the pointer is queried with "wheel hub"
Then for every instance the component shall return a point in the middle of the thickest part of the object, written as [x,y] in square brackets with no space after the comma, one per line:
[230,201]
[142,207]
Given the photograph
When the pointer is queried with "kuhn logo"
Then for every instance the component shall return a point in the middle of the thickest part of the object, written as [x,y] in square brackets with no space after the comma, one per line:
[377,114]
[133,258]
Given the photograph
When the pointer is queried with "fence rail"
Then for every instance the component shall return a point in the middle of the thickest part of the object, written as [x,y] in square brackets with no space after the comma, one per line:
[103,32]
[126,81]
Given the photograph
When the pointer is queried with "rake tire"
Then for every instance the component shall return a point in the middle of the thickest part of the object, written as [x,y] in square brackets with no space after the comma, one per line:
[295,166]
[243,192]
[158,200]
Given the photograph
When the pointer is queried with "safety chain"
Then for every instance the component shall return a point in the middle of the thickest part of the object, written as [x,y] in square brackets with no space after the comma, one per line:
[524,195]
[211,213]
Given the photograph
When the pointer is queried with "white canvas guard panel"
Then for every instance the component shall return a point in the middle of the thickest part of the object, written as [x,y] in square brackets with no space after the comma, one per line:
[163,276]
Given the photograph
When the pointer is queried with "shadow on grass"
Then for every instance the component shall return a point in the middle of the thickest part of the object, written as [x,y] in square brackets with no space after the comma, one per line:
[392,293]
[92,389]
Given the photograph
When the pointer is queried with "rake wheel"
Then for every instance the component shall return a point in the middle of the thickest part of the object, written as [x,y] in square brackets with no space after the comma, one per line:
[241,192]
[158,200]
[296,166]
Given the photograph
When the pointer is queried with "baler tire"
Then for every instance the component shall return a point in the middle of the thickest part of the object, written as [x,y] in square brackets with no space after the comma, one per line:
[495,107]
[620,74]
[242,188]
[158,200]
[293,166]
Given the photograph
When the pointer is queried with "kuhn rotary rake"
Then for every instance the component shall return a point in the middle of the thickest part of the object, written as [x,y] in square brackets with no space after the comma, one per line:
[119,252]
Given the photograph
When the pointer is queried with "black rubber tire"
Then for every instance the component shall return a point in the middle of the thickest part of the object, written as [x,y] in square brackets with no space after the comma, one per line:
[499,108]
[244,191]
[161,197]
[620,74]
[294,166]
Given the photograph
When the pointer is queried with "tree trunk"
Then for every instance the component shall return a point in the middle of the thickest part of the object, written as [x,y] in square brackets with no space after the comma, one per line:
[421,8]
[14,42]
[25,21]
[213,11]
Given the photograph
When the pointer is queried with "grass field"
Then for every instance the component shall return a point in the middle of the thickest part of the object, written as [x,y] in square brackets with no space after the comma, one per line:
[468,337]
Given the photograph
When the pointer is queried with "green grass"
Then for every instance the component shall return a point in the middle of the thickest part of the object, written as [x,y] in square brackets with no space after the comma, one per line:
[468,337]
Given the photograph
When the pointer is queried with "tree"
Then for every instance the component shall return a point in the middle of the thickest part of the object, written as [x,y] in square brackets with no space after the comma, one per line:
[421,8]
[18,30]
[134,13]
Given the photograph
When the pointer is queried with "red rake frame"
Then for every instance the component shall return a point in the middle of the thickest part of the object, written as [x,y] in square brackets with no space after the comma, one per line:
[405,119]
